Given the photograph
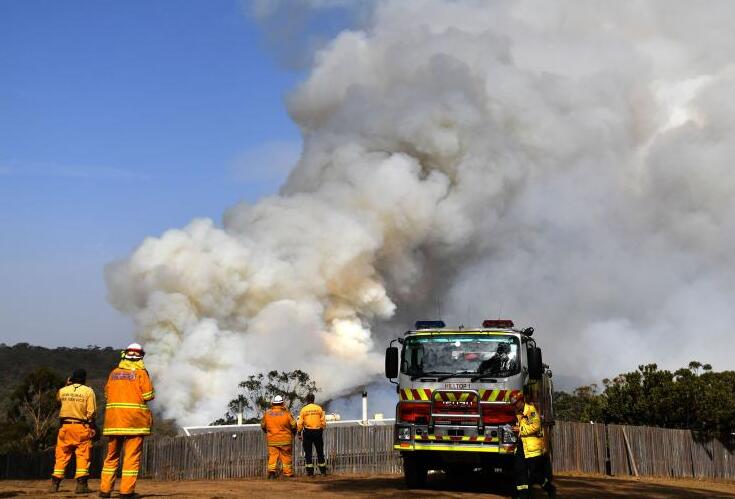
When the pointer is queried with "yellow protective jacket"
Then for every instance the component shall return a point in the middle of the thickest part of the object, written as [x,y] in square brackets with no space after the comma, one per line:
[531,431]
[128,390]
[311,417]
[279,426]
[78,403]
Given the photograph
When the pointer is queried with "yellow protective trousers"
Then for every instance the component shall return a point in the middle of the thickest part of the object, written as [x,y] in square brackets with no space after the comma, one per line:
[285,454]
[74,438]
[129,447]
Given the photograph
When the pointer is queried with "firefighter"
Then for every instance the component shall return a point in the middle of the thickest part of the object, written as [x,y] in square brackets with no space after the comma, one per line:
[310,425]
[499,363]
[531,462]
[127,420]
[77,415]
[279,427]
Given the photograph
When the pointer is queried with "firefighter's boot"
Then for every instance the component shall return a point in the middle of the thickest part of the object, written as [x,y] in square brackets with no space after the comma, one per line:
[82,486]
[105,494]
[55,482]
[309,470]
[550,489]
[271,475]
[323,469]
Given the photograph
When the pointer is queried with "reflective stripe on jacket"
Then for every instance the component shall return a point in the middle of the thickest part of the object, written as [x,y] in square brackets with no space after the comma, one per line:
[279,426]
[311,417]
[531,431]
[128,389]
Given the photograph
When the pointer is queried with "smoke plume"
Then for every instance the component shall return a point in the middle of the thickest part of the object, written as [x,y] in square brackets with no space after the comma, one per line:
[564,164]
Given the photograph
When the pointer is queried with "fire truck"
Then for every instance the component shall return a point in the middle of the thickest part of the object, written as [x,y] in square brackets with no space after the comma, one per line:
[454,388]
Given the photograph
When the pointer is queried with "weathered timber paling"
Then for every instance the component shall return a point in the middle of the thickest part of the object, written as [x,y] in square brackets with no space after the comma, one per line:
[577,447]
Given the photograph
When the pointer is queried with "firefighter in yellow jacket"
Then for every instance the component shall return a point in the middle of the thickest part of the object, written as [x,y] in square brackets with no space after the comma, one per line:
[279,427]
[77,415]
[531,464]
[310,426]
[127,420]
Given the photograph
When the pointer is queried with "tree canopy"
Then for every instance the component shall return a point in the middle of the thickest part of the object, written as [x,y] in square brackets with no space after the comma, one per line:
[693,397]
[31,419]
[256,392]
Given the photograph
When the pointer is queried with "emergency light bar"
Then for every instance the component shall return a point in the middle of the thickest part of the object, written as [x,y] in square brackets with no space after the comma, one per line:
[498,323]
[430,324]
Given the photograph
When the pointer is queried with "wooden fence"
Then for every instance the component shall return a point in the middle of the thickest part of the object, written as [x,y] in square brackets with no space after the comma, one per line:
[577,447]
[646,451]
[348,449]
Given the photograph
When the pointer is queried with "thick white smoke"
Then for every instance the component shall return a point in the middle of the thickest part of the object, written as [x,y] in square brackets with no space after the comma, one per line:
[565,164]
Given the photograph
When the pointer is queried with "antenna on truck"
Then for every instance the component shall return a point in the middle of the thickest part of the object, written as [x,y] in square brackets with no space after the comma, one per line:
[438,305]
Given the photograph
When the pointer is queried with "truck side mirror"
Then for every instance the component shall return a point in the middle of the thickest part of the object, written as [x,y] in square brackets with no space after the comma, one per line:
[535,363]
[391,362]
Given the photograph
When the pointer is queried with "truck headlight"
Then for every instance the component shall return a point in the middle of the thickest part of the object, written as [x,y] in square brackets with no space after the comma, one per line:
[404,433]
[491,432]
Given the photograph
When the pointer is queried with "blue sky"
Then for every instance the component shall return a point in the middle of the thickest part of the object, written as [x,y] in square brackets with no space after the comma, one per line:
[119,120]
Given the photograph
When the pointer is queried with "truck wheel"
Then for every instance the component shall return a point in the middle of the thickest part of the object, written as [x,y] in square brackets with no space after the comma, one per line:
[414,472]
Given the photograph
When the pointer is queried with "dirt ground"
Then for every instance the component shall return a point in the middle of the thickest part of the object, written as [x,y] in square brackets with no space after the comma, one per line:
[571,487]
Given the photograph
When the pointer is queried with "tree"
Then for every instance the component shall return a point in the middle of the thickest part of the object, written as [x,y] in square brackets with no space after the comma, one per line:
[693,397]
[33,411]
[255,394]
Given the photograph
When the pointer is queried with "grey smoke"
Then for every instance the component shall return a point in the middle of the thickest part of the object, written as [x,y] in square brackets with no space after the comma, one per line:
[566,164]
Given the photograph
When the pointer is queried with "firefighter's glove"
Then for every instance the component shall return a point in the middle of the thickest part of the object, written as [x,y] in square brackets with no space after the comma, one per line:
[95,433]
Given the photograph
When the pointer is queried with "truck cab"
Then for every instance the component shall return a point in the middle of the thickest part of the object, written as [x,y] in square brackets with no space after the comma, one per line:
[454,388]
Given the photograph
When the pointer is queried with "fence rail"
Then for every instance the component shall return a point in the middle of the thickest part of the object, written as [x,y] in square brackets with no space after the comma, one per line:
[576,447]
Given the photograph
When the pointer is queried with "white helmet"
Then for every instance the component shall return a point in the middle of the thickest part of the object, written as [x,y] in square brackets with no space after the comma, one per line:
[134,351]
[277,400]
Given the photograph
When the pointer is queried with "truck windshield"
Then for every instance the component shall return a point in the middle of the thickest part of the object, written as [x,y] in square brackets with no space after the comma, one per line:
[493,355]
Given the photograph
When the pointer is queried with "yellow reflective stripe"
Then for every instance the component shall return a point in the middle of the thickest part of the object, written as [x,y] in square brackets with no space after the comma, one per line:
[149,394]
[126,405]
[422,394]
[280,443]
[449,438]
[409,394]
[521,487]
[107,431]
[129,472]
[453,448]
[106,471]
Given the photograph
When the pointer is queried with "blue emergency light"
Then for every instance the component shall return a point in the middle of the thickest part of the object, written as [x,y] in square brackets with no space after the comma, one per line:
[430,324]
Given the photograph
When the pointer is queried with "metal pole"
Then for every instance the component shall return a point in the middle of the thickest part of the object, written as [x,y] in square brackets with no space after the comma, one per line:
[364,407]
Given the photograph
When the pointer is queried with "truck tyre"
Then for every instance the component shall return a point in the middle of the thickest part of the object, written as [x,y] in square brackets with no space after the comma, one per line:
[414,472]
